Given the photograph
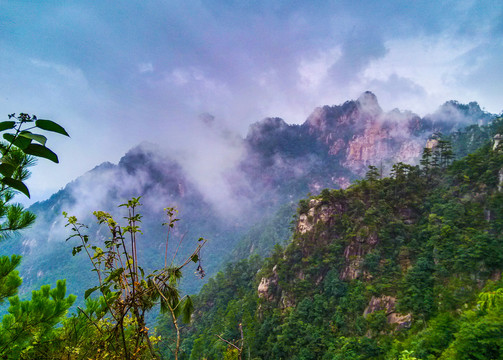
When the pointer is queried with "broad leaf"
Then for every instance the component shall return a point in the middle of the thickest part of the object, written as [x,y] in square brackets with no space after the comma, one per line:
[6,169]
[6,125]
[195,258]
[37,137]
[50,125]
[41,151]
[114,275]
[16,184]
[90,291]
[187,310]
[76,249]
[20,142]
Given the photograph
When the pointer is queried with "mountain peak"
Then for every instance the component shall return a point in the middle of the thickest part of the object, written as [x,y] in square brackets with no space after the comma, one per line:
[266,127]
[368,103]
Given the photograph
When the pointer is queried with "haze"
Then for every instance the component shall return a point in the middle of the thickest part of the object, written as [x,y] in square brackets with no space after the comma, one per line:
[116,74]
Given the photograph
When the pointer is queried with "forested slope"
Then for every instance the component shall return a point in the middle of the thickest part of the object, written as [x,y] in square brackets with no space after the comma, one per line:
[397,267]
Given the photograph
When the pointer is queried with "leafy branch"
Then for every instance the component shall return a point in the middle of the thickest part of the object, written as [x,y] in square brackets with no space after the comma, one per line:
[127,291]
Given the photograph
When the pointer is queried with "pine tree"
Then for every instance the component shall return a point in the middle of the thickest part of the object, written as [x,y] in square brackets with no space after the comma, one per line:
[28,325]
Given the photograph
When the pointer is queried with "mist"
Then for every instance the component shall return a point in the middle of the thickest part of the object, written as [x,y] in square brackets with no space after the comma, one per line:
[238,62]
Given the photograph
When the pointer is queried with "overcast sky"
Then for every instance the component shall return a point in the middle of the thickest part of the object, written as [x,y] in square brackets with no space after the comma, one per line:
[116,73]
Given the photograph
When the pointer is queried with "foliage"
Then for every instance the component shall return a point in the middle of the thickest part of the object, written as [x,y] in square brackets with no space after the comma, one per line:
[390,268]
[28,329]
[128,293]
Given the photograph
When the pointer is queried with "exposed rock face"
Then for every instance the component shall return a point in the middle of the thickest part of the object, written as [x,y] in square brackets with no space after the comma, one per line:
[263,288]
[336,146]
[315,214]
[266,284]
[387,303]
[364,149]
[497,141]
[340,142]
[267,289]
[364,135]
[355,253]
[286,300]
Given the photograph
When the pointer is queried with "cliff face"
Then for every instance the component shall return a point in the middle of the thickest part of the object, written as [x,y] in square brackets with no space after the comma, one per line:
[362,134]
[373,269]
[336,144]
[314,232]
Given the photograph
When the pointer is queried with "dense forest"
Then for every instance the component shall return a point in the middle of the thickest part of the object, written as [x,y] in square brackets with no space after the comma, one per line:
[398,267]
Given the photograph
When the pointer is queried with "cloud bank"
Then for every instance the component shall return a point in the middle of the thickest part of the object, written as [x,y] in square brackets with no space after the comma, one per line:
[119,73]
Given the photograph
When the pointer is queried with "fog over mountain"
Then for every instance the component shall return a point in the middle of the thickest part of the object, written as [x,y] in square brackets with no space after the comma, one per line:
[223,184]
[115,74]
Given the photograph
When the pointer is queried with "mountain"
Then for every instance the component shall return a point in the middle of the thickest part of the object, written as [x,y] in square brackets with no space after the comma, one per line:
[400,267]
[278,164]
[336,144]
[160,181]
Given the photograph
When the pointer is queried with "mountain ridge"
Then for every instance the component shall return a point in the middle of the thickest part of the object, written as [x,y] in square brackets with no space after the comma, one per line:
[280,164]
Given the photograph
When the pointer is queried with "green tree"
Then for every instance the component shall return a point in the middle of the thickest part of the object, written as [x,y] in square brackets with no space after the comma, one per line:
[28,326]
[417,293]
[373,174]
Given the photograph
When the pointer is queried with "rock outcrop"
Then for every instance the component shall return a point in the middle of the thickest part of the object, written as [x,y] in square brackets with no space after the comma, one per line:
[316,213]
[355,251]
[362,134]
[497,141]
[388,303]
[264,286]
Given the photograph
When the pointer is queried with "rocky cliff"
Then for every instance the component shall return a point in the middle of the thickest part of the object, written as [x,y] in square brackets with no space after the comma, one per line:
[336,144]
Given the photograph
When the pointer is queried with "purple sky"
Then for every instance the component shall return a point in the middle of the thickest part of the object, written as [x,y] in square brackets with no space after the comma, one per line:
[116,73]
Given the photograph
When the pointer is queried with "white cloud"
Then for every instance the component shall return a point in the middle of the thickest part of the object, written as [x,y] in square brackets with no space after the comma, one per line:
[430,63]
[313,70]
[71,74]
[239,62]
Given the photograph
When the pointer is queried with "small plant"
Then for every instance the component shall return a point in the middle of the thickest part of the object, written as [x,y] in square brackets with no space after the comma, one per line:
[127,291]
[407,355]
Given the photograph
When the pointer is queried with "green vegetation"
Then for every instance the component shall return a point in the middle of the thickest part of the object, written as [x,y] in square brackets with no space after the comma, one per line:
[27,329]
[111,326]
[401,267]
[128,293]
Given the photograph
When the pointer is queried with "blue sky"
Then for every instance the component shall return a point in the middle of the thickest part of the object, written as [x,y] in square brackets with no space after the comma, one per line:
[116,73]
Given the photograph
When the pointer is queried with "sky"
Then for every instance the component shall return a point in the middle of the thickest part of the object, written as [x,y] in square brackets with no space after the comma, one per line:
[118,73]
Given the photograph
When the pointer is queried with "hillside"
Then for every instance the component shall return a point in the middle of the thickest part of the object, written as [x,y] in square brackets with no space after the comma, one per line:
[402,266]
